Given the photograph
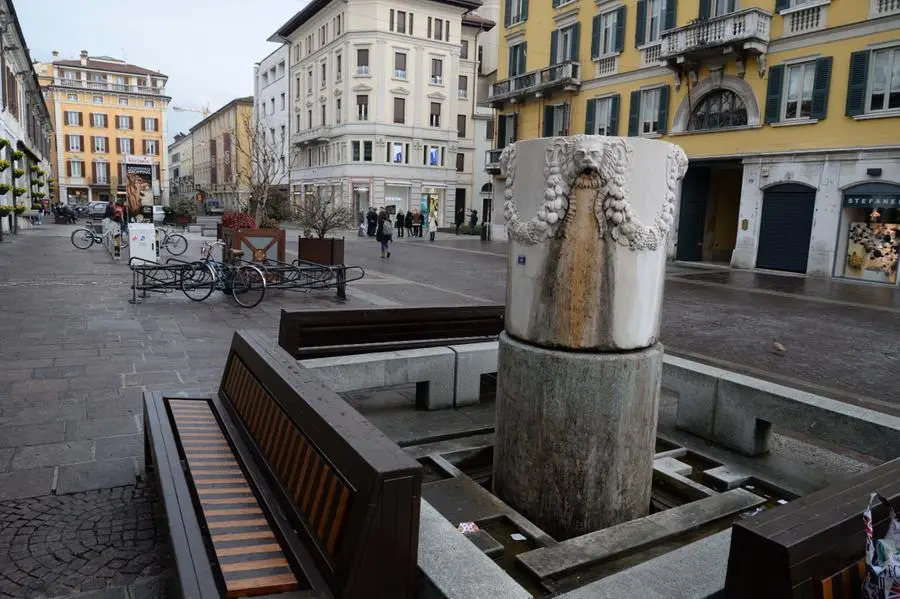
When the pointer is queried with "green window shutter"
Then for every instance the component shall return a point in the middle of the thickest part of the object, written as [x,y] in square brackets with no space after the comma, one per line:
[595,36]
[556,3]
[554,44]
[705,9]
[512,61]
[820,88]
[514,125]
[576,42]
[501,131]
[524,10]
[548,121]
[620,29]
[614,116]
[856,86]
[590,116]
[663,117]
[782,4]
[773,94]
[507,13]
[640,28]
[634,113]
[669,20]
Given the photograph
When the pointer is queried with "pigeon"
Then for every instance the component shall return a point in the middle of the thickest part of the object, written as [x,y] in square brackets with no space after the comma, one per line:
[778,349]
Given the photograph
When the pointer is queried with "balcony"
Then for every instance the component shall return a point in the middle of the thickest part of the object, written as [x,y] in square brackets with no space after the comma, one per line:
[565,76]
[316,135]
[492,161]
[741,33]
[103,86]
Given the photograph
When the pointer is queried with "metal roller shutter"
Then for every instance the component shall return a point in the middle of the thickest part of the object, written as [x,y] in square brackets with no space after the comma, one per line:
[786,227]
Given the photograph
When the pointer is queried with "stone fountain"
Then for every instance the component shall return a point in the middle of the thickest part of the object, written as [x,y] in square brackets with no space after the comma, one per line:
[579,364]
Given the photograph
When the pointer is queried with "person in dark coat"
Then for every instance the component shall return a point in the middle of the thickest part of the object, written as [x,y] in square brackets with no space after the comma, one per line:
[408,222]
[399,226]
[371,221]
[473,220]
[460,219]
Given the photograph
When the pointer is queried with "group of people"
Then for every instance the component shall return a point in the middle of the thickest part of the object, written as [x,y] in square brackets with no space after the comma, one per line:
[461,220]
[380,225]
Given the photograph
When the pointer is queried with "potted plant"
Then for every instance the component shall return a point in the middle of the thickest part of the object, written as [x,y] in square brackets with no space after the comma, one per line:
[4,143]
[4,188]
[184,213]
[5,210]
[33,168]
[19,191]
[4,164]
[318,214]
[18,155]
[240,231]
[17,173]
[19,210]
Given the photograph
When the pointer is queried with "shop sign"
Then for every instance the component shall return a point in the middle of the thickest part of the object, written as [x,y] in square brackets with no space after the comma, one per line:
[871,201]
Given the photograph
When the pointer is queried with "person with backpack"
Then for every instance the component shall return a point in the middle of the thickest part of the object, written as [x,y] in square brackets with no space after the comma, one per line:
[387,235]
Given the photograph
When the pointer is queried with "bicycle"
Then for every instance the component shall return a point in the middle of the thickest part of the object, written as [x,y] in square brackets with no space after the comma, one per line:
[174,243]
[243,282]
[84,239]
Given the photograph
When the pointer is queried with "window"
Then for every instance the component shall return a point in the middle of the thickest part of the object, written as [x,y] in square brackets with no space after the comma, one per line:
[603,116]
[72,97]
[76,168]
[464,49]
[367,151]
[338,68]
[355,147]
[151,147]
[100,145]
[564,44]
[283,100]
[399,110]
[400,65]
[125,146]
[460,162]
[324,120]
[460,125]
[309,82]
[655,14]
[517,59]
[798,91]
[435,118]
[123,122]
[885,94]
[101,172]
[433,156]
[489,131]
[296,89]
[723,7]
[123,101]
[148,103]
[462,90]
[439,29]
[396,154]
[719,110]
[324,74]
[98,99]
[437,71]
[556,120]
[362,107]
[149,124]
[362,61]
[517,12]
[399,24]
[506,130]
[272,104]
[608,33]
[283,133]
[73,143]
[98,120]
[337,111]
[73,118]
[648,111]
[309,120]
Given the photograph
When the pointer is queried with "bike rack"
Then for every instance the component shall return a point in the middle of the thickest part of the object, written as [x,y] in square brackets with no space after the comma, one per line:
[148,276]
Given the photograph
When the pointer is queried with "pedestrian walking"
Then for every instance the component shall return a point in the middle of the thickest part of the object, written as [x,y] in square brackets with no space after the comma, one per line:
[399,223]
[460,219]
[408,223]
[432,226]
[371,221]
[386,235]
[473,220]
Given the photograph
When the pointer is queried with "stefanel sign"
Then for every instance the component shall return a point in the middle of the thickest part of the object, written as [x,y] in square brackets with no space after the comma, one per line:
[871,201]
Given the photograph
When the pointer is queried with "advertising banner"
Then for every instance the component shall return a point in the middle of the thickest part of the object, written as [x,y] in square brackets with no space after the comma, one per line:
[138,185]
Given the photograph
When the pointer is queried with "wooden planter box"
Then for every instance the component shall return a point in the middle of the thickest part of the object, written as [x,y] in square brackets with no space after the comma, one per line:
[328,251]
[257,244]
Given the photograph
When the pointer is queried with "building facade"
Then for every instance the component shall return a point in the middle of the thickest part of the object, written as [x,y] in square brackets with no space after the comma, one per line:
[103,110]
[221,150]
[788,109]
[383,103]
[181,167]
[271,92]
[25,124]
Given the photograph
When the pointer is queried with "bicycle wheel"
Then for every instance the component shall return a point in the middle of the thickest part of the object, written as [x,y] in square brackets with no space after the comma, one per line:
[248,286]
[175,244]
[82,239]
[198,281]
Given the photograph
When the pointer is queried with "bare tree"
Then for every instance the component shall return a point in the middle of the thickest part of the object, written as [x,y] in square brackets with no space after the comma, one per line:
[264,154]
[318,213]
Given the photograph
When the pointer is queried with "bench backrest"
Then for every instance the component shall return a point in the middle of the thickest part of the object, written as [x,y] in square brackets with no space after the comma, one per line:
[787,551]
[352,494]
[323,333]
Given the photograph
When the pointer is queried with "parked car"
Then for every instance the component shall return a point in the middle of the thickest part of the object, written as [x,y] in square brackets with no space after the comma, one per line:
[213,206]
[159,215]
[97,210]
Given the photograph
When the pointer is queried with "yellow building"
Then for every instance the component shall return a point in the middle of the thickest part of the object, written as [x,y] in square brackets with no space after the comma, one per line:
[788,109]
[221,154]
[103,110]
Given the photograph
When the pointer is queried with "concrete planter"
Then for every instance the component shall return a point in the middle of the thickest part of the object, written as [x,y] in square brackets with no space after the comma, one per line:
[327,251]
[258,244]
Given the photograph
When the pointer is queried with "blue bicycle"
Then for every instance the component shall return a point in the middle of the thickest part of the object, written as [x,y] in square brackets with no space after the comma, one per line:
[244,282]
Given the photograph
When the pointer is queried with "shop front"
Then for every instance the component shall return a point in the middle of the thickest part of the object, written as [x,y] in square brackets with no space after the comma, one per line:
[431,204]
[869,234]
[362,196]
[396,197]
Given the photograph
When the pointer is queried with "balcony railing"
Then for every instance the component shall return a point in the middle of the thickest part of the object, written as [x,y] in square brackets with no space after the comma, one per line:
[311,136]
[745,29]
[881,8]
[564,75]
[492,161]
[109,87]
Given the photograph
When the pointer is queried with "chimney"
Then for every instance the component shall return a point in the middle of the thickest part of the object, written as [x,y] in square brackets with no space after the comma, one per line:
[84,58]
[55,54]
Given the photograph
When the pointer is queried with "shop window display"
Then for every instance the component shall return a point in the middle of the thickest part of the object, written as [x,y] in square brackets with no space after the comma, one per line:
[873,242]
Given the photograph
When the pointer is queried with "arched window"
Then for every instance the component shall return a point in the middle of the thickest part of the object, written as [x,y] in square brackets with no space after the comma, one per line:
[720,109]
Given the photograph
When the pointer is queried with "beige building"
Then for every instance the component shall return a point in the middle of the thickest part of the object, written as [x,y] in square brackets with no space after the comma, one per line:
[220,147]
[181,168]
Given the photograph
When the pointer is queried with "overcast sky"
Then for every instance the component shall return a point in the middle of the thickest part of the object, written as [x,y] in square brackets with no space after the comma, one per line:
[206,47]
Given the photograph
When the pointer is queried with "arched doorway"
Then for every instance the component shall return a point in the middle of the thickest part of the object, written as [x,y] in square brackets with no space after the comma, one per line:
[785,228]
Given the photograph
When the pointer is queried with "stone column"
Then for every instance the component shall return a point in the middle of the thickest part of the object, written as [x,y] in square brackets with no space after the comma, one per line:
[579,366]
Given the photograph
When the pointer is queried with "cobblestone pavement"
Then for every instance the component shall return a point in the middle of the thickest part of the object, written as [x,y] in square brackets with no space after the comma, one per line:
[75,358]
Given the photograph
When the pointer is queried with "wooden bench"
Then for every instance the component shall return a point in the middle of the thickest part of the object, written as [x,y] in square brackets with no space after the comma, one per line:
[276,485]
[812,546]
[307,334]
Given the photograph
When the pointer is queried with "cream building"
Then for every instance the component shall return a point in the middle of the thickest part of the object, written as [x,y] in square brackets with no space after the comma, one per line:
[221,157]
[181,166]
[383,102]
